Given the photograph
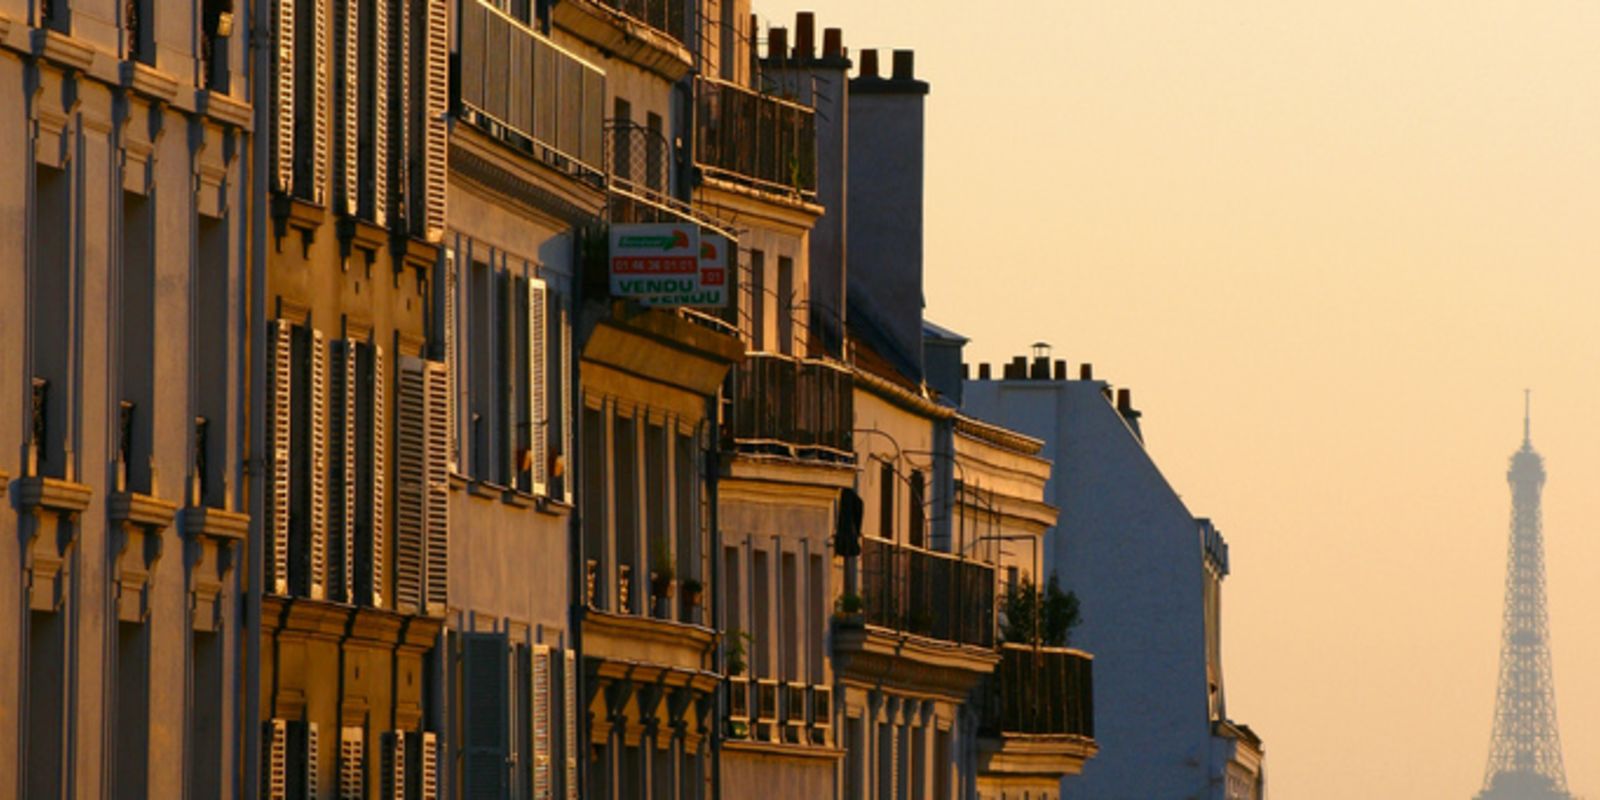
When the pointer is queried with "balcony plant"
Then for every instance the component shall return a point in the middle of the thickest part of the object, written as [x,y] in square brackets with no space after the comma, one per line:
[661,572]
[847,610]
[1027,612]
[693,591]
[733,643]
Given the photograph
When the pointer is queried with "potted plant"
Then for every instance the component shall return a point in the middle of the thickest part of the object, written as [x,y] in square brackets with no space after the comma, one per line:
[693,590]
[733,650]
[848,608]
[661,573]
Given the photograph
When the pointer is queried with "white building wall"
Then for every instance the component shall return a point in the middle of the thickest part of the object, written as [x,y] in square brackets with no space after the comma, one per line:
[1128,547]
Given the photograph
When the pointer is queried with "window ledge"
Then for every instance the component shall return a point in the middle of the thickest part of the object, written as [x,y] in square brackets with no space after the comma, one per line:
[518,498]
[554,507]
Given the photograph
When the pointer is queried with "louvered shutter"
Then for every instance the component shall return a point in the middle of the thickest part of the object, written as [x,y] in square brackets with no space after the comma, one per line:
[506,413]
[284,112]
[484,728]
[543,789]
[393,783]
[275,760]
[380,473]
[342,471]
[380,115]
[437,99]
[347,30]
[411,484]
[352,763]
[321,114]
[569,383]
[429,779]
[438,488]
[309,759]
[569,718]
[280,405]
[538,394]
[400,102]
[318,540]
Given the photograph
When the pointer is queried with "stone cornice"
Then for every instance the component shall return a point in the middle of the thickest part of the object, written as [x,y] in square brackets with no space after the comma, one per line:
[140,509]
[872,656]
[39,493]
[216,523]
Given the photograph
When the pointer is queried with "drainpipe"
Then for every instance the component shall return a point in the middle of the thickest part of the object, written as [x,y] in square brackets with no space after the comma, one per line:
[713,467]
[259,38]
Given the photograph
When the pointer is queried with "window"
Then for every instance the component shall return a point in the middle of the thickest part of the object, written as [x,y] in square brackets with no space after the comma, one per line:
[621,120]
[214,45]
[508,413]
[205,714]
[687,483]
[593,495]
[137,340]
[356,485]
[785,305]
[46,687]
[761,622]
[655,153]
[139,26]
[918,528]
[213,309]
[789,605]
[310,127]
[886,479]
[50,301]
[131,711]
[626,478]
[728,51]
[289,754]
[297,488]
[758,300]
[422,547]
[817,614]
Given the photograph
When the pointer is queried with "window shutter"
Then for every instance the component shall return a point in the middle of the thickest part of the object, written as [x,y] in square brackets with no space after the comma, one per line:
[400,108]
[538,368]
[542,787]
[321,114]
[430,767]
[505,413]
[380,472]
[319,466]
[438,487]
[484,754]
[393,783]
[411,484]
[348,26]
[437,104]
[284,112]
[309,759]
[342,472]
[275,760]
[380,115]
[520,728]
[569,718]
[569,382]
[352,763]
[279,400]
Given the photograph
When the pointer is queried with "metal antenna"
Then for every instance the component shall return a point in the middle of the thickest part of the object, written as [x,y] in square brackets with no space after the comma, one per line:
[1527,404]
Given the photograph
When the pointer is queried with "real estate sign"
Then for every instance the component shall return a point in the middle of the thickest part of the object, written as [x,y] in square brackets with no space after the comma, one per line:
[668,264]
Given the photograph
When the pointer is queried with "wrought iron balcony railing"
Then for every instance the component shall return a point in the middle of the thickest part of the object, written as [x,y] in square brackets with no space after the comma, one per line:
[529,92]
[792,407]
[927,593]
[1046,691]
[756,139]
[640,160]
[668,16]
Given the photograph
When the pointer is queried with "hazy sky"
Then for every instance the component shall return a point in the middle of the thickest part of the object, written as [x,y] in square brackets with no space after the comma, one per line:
[1327,245]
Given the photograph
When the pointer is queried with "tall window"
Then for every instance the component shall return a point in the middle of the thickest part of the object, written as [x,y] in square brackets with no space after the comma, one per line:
[138,309]
[886,501]
[917,527]
[784,302]
[758,300]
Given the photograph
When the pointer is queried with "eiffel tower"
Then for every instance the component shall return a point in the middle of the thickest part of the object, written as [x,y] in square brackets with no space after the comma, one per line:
[1525,750]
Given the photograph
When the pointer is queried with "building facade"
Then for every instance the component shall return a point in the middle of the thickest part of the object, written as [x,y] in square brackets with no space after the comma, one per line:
[1148,576]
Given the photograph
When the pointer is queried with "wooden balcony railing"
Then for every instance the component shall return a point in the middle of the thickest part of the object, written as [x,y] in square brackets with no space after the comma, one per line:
[756,139]
[1046,691]
[927,593]
[523,88]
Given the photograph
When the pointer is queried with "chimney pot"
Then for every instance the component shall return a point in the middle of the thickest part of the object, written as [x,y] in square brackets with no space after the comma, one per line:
[1085,371]
[778,44]
[983,371]
[1041,368]
[805,28]
[1124,399]
[904,65]
[869,63]
[966,371]
[832,43]
[1061,369]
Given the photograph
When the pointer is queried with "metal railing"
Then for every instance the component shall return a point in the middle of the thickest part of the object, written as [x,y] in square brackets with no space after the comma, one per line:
[1038,691]
[640,159]
[529,92]
[927,593]
[756,139]
[787,406]
[668,16]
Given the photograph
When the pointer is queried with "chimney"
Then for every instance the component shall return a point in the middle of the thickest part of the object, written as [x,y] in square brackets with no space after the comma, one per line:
[778,44]
[1124,400]
[983,371]
[832,43]
[1061,369]
[1085,371]
[805,27]
[966,371]
[1019,369]
[869,63]
[904,61]
[1041,368]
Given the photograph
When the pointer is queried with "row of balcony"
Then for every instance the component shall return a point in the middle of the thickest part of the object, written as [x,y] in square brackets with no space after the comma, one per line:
[768,710]
[1038,691]
[529,92]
